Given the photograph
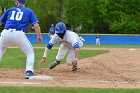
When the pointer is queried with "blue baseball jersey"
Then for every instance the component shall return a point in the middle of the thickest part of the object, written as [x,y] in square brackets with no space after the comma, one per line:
[52,31]
[98,37]
[18,17]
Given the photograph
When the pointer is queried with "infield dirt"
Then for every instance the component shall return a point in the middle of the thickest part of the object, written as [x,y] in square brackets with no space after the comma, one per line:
[119,68]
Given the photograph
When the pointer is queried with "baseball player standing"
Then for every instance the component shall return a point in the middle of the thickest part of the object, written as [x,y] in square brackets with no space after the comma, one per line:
[15,20]
[69,44]
[51,31]
[98,40]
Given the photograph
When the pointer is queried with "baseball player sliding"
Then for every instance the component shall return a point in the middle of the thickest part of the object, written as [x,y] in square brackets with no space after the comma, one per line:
[15,20]
[69,43]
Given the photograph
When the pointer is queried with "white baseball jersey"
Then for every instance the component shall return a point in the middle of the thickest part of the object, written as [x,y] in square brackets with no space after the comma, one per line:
[67,45]
[70,39]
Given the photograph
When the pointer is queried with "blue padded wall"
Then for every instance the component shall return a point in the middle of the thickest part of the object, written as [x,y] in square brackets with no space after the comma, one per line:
[90,39]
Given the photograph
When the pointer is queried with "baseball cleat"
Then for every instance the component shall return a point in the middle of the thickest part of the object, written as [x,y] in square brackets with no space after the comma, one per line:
[54,64]
[29,74]
[74,67]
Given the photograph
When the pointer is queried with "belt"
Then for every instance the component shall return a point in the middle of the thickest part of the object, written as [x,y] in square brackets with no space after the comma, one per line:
[13,29]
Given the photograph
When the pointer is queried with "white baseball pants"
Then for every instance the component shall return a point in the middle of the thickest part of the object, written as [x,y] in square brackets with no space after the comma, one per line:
[18,38]
[62,52]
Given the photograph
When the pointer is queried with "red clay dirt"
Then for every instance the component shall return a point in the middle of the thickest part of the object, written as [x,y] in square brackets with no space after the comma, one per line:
[119,68]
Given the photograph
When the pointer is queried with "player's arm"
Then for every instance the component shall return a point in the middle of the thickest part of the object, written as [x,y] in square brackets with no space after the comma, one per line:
[47,49]
[38,31]
[77,50]
[46,53]
[73,40]
[3,18]
[34,22]
[50,45]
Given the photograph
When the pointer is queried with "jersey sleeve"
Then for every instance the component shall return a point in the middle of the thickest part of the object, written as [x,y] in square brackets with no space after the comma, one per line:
[54,39]
[73,40]
[3,18]
[33,18]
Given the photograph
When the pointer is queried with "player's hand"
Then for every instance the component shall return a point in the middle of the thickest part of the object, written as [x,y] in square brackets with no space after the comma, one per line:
[43,60]
[39,38]
[74,61]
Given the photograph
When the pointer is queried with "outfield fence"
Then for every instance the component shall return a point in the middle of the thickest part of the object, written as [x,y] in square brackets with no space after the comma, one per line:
[91,39]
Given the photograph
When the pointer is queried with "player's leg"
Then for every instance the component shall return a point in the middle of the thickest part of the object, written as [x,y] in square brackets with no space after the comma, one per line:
[3,43]
[60,56]
[81,44]
[2,49]
[96,41]
[70,57]
[99,42]
[24,44]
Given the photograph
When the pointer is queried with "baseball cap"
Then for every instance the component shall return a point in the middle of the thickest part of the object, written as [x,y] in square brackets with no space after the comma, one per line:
[52,24]
[22,1]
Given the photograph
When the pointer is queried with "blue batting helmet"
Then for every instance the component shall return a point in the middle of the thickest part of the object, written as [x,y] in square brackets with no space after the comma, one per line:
[60,27]
[22,1]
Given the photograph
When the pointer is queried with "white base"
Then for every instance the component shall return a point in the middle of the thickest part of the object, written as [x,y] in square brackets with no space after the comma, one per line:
[132,49]
[40,77]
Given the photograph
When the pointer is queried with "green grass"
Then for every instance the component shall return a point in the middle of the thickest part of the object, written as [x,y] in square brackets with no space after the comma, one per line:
[63,90]
[15,58]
